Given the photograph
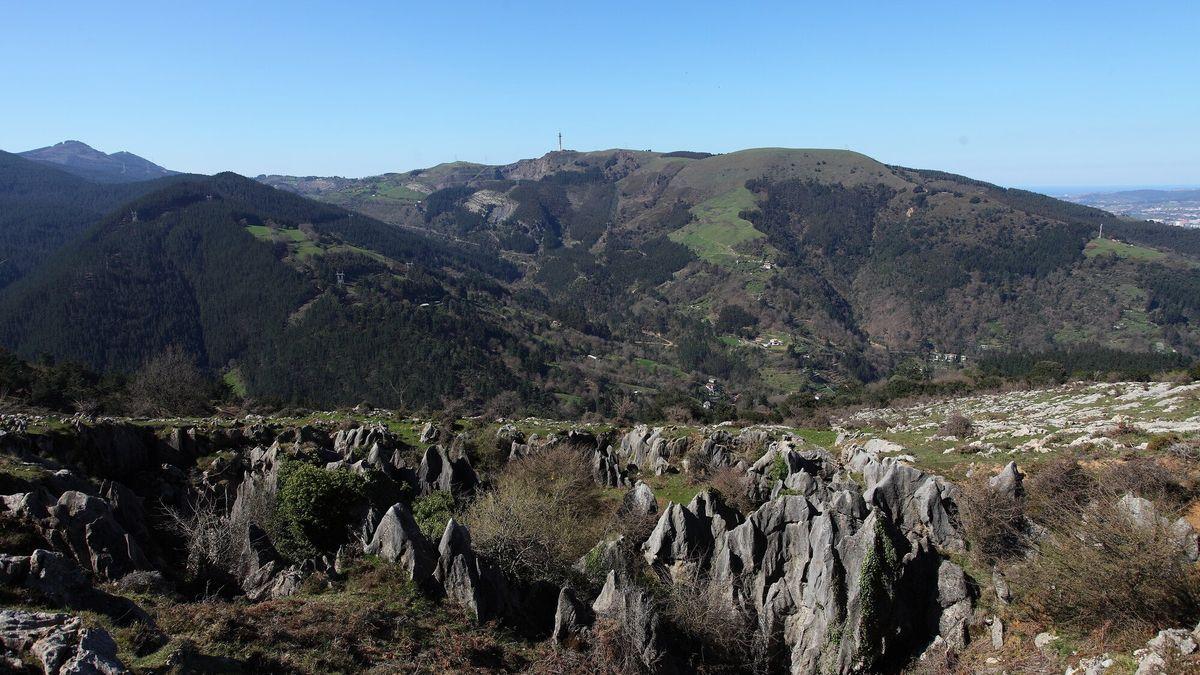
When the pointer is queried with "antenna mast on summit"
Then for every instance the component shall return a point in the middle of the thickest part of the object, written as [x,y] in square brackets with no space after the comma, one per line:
[560,141]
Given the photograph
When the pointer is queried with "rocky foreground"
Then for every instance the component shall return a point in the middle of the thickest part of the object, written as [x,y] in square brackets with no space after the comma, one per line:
[847,559]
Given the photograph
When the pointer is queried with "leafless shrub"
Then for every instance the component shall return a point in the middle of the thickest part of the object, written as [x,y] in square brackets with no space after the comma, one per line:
[1059,485]
[214,545]
[734,487]
[957,424]
[1146,478]
[544,513]
[679,414]
[1188,451]
[216,541]
[703,613]
[1100,569]
[144,581]
[994,522]
[1123,428]
[169,384]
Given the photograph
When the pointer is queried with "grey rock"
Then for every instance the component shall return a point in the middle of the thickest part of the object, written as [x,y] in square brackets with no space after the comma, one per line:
[997,633]
[439,472]
[1008,483]
[633,612]
[639,501]
[954,597]
[606,468]
[685,537]
[572,620]
[919,503]
[430,434]
[1000,585]
[398,539]
[83,527]
[60,642]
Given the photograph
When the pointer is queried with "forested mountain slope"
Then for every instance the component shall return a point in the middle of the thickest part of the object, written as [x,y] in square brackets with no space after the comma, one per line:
[42,207]
[244,278]
[816,245]
[759,280]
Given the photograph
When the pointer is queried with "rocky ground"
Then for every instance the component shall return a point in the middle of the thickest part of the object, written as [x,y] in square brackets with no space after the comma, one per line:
[361,541]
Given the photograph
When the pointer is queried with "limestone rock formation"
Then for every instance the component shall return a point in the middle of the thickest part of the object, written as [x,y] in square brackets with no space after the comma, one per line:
[59,642]
[439,472]
[84,527]
[639,501]
[572,620]
[398,539]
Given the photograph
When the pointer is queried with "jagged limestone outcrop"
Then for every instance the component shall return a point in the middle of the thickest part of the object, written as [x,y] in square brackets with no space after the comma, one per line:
[398,539]
[59,642]
[82,526]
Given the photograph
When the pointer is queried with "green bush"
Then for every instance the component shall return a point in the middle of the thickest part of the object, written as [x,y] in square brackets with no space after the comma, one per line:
[431,513]
[1195,371]
[314,508]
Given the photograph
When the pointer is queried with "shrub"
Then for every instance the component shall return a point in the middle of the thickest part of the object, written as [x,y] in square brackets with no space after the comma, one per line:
[716,630]
[214,543]
[315,508]
[994,522]
[544,514]
[734,487]
[1059,485]
[432,512]
[957,424]
[1047,372]
[779,468]
[169,384]
[1162,442]
[1100,569]
[1146,478]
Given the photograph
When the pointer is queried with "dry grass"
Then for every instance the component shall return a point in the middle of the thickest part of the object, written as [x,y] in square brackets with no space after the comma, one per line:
[376,621]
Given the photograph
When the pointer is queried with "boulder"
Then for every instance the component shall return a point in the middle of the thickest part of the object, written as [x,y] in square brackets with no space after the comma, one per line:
[60,643]
[1008,483]
[639,501]
[833,584]
[685,537]
[430,434]
[632,611]
[465,580]
[398,539]
[572,620]
[439,472]
[955,603]
[606,468]
[58,581]
[919,503]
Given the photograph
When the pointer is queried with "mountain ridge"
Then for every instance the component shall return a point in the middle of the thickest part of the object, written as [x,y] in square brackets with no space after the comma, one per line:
[81,159]
[755,280]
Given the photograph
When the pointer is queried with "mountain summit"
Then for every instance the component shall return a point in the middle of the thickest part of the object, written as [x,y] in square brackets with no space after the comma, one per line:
[87,162]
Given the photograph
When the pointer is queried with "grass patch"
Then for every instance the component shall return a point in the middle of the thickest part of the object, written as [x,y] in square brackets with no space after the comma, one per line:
[1097,247]
[673,487]
[718,228]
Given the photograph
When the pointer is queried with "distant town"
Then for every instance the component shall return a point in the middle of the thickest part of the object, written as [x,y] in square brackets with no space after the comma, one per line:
[1173,207]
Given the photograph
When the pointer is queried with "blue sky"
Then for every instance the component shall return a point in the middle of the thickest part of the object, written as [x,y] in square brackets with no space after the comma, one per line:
[1020,93]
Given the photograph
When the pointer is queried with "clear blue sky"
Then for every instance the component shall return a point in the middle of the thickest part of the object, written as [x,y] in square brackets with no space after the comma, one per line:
[1020,93]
